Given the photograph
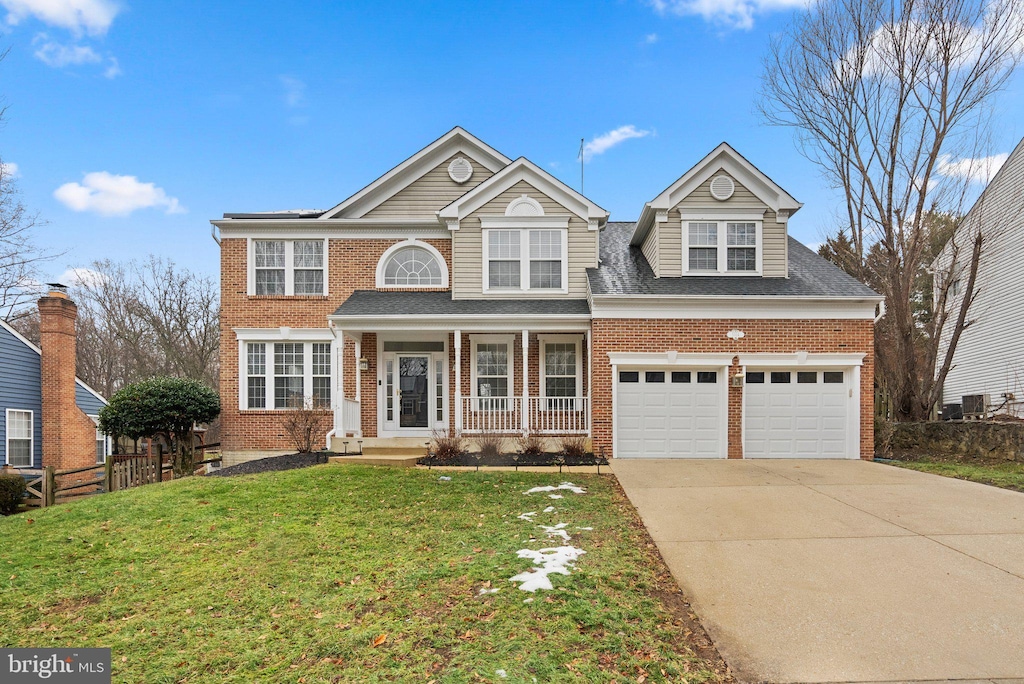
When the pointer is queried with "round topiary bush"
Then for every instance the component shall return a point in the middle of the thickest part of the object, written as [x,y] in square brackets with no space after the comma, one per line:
[12,491]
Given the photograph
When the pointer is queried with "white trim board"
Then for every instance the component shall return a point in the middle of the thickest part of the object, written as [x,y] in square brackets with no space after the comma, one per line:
[750,307]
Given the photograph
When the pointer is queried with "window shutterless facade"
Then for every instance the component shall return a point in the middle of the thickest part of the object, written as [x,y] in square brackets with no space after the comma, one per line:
[20,439]
[722,247]
[285,375]
[533,259]
[287,267]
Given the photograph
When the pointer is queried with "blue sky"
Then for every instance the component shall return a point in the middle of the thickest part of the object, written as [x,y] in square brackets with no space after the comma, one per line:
[132,124]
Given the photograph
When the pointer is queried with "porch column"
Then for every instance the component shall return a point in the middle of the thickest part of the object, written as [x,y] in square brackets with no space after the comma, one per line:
[359,371]
[590,378]
[458,381]
[525,411]
[338,395]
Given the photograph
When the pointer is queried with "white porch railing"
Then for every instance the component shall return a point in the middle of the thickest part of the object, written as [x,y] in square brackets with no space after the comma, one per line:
[351,416]
[545,415]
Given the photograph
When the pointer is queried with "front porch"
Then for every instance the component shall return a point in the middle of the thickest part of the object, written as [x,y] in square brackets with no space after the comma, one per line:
[394,384]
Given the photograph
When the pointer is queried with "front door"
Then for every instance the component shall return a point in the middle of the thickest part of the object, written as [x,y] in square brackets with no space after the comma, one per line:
[413,391]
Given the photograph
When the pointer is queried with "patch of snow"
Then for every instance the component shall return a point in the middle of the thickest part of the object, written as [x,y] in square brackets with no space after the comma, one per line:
[588,529]
[565,485]
[501,673]
[554,496]
[529,600]
[549,509]
[557,531]
[444,478]
[528,517]
[484,591]
[553,560]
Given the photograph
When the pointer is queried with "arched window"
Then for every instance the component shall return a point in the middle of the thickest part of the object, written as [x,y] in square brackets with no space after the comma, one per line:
[413,267]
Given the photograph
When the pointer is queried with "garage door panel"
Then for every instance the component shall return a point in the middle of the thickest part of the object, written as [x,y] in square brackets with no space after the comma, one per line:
[796,419]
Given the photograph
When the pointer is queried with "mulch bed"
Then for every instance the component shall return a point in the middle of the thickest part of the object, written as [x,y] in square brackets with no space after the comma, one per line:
[470,459]
[274,463]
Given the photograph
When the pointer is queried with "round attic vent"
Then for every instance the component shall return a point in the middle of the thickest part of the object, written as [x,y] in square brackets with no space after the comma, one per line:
[460,170]
[722,187]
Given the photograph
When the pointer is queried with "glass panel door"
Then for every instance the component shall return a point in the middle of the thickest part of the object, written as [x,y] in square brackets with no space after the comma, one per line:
[413,391]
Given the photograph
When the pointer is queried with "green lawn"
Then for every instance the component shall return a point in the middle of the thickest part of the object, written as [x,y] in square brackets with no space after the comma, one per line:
[1005,474]
[295,576]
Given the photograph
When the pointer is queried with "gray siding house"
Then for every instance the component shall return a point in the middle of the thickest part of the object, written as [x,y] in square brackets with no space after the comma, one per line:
[21,402]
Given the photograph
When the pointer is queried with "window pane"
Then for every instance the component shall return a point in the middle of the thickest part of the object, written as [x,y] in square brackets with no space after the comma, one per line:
[288,358]
[780,377]
[19,425]
[680,376]
[412,267]
[560,387]
[741,234]
[654,376]
[503,274]
[629,376]
[269,253]
[309,282]
[269,281]
[545,274]
[707,377]
[560,358]
[257,393]
[19,439]
[545,244]
[257,359]
[703,259]
[308,253]
[756,378]
[19,452]
[321,358]
[288,392]
[322,392]
[491,359]
[833,377]
[101,450]
[492,387]
[806,377]
[703,234]
[742,259]
[503,244]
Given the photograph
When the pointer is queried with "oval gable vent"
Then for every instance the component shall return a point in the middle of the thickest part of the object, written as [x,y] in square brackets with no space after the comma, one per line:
[460,170]
[722,187]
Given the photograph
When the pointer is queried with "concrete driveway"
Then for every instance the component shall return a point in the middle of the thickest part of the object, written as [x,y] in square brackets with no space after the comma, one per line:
[841,571]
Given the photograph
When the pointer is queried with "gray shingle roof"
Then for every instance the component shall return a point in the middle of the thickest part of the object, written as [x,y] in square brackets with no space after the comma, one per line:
[625,271]
[374,303]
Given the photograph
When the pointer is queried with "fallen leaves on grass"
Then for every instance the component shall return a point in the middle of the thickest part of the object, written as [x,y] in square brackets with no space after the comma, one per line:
[379,640]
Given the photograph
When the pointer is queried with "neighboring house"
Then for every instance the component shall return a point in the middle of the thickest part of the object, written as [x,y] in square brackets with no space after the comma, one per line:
[988,362]
[467,291]
[48,415]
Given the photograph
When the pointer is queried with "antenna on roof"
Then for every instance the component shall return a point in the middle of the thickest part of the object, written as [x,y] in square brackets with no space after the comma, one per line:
[581,165]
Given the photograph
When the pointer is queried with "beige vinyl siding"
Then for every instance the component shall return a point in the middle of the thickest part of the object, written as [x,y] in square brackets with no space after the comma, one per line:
[467,248]
[773,234]
[671,239]
[650,250]
[429,193]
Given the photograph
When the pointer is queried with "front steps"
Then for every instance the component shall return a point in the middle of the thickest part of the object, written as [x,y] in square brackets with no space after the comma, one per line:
[387,450]
[389,460]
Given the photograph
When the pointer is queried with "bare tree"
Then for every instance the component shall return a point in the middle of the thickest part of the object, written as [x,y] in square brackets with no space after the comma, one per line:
[20,258]
[884,95]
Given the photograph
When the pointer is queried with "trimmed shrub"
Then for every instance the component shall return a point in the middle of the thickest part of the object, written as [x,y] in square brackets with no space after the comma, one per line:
[530,445]
[12,491]
[490,444]
[446,446]
[573,446]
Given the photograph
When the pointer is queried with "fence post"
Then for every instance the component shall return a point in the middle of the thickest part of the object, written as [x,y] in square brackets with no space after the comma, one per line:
[49,485]
[108,474]
[160,460]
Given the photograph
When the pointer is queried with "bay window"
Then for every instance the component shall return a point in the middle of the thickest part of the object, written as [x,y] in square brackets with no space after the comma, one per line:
[722,247]
[287,267]
[286,375]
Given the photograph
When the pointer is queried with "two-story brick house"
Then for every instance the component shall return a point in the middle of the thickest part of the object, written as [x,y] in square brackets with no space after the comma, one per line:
[466,291]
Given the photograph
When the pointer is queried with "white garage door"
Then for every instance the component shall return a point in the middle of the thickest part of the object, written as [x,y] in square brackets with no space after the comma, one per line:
[797,413]
[670,414]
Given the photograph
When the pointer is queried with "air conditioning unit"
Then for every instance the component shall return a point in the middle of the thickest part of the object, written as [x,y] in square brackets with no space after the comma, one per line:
[975,405]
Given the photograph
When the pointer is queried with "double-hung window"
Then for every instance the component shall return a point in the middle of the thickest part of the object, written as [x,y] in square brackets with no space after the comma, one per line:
[560,372]
[19,430]
[492,371]
[288,267]
[102,442]
[525,259]
[286,375]
[731,247]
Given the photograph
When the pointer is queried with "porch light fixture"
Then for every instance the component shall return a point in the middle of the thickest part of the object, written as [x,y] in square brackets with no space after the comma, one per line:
[364,364]
[737,380]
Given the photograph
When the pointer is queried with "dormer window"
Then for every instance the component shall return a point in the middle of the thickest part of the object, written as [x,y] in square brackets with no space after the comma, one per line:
[722,247]
[525,259]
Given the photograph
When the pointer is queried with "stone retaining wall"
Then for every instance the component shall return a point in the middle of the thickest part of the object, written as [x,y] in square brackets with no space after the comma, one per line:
[960,440]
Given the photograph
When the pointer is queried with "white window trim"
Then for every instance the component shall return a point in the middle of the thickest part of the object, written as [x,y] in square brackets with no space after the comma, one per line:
[722,246]
[524,261]
[101,436]
[307,369]
[398,246]
[543,340]
[31,437]
[508,340]
[289,265]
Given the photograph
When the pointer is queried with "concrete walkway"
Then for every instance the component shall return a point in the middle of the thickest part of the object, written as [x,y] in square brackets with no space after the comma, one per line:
[842,571]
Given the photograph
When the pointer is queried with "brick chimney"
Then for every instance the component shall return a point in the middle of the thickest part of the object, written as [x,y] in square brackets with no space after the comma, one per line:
[69,436]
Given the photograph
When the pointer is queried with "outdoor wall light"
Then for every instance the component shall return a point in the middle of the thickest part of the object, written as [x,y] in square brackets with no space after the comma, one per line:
[364,364]
[737,380]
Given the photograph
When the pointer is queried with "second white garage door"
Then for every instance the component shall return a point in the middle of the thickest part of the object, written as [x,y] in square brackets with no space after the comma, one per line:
[797,413]
[670,414]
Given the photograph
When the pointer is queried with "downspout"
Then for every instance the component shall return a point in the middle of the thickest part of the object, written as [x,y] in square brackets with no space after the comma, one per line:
[213,234]
[881,312]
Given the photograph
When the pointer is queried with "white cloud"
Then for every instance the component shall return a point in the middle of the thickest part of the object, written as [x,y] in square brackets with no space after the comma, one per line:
[606,141]
[981,170]
[651,39]
[730,13]
[77,277]
[78,16]
[54,54]
[112,195]
[113,69]
[294,91]
[8,169]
